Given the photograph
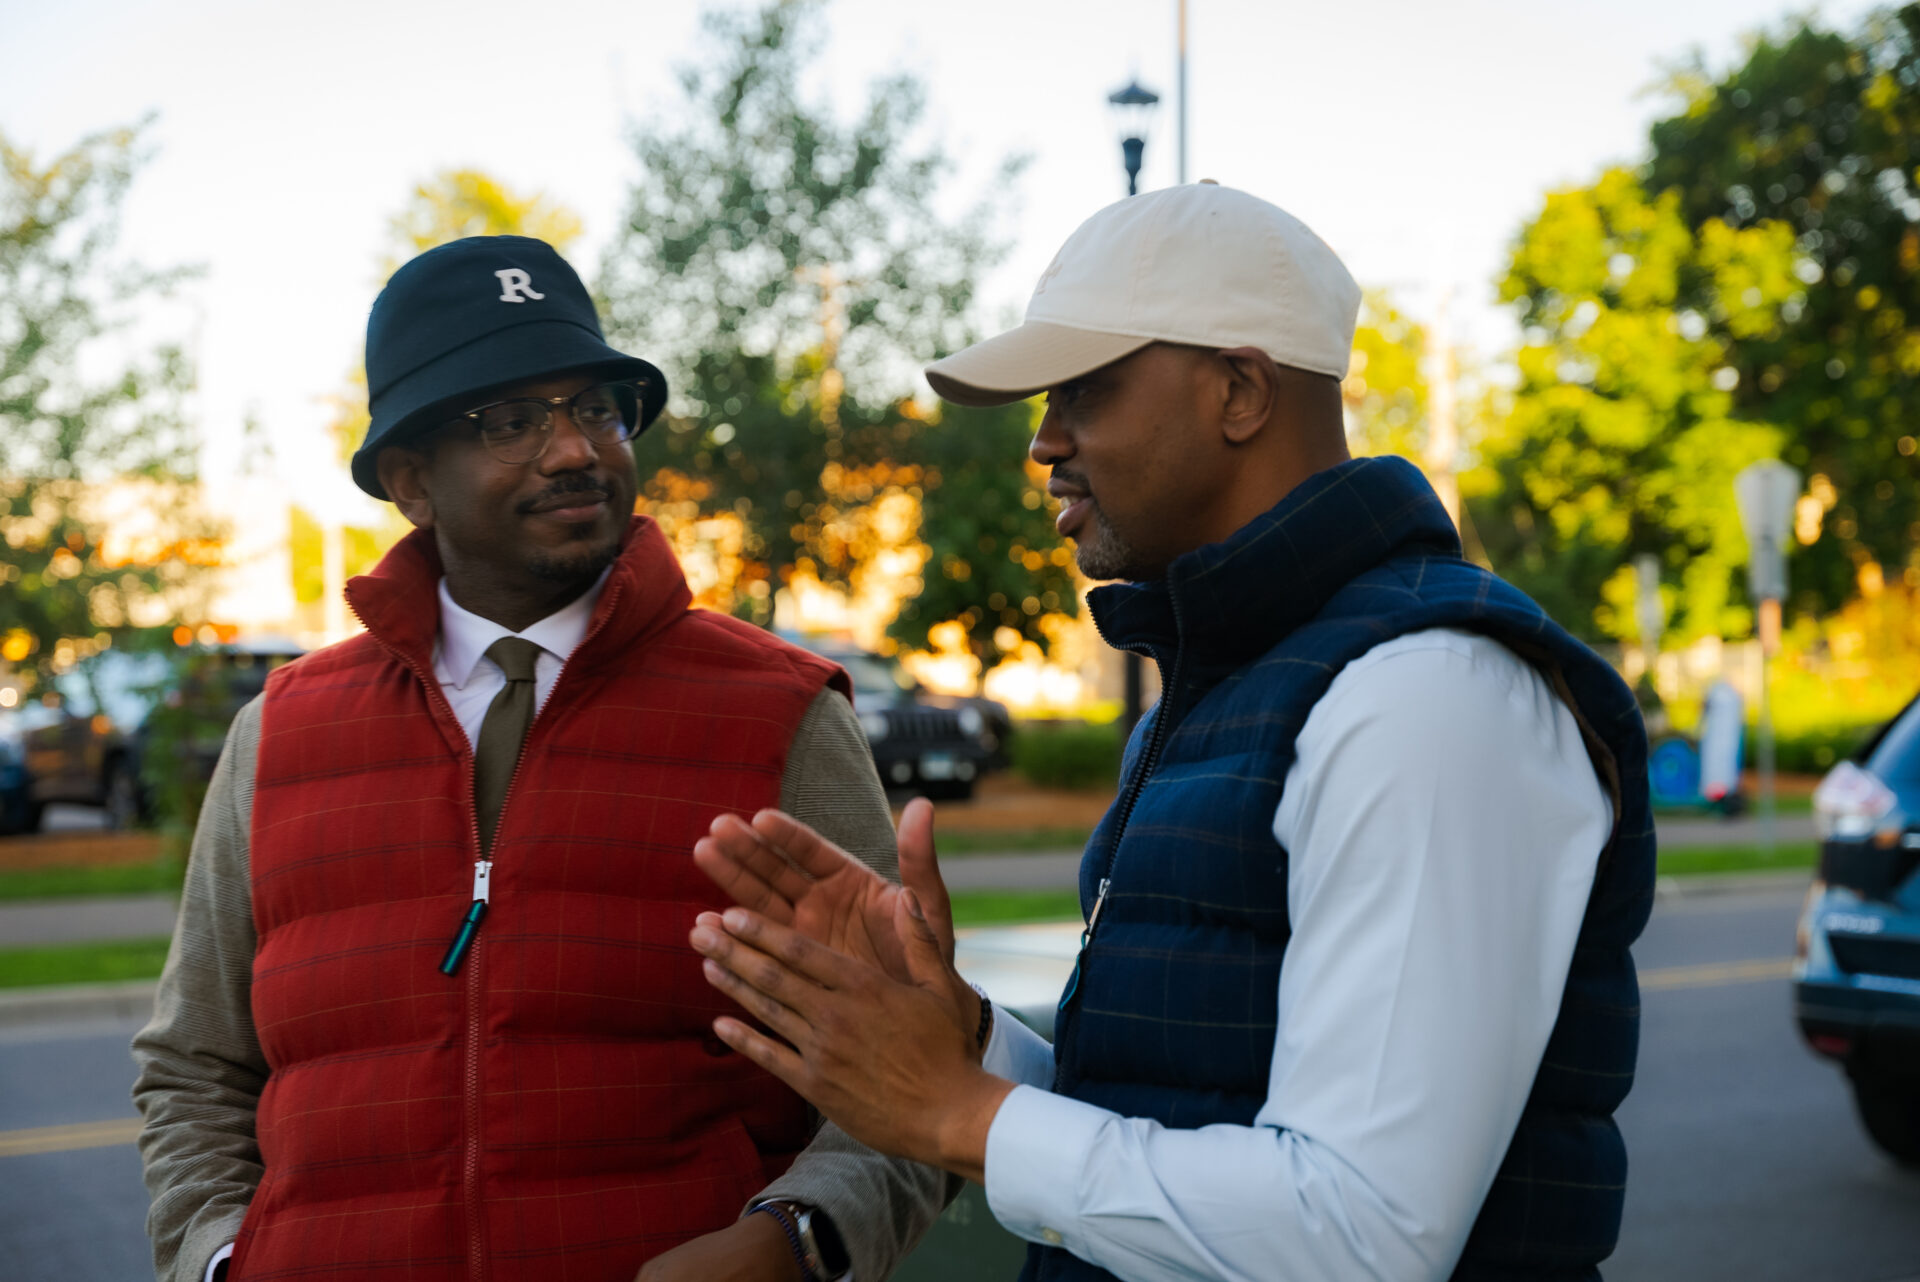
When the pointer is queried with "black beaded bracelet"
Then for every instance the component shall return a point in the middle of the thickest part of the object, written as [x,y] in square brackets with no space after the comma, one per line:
[986,1018]
[793,1238]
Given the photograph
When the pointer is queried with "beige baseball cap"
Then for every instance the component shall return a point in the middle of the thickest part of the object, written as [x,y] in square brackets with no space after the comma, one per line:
[1200,264]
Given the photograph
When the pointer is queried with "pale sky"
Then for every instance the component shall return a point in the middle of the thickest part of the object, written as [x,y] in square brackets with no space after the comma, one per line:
[1414,135]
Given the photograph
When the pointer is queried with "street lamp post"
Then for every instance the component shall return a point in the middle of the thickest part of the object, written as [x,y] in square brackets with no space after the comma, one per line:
[1133,109]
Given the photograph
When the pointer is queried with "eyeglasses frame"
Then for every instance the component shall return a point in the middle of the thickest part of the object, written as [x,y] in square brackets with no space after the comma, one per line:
[552,403]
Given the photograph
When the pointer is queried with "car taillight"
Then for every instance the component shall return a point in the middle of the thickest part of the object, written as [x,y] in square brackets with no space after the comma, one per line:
[1832,1045]
[1851,803]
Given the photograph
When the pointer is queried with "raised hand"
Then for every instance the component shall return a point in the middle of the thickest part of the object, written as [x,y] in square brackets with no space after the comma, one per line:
[790,874]
[893,1062]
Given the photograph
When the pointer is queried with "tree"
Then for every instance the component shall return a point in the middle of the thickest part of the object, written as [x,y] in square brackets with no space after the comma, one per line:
[1623,435]
[1817,134]
[96,455]
[791,273]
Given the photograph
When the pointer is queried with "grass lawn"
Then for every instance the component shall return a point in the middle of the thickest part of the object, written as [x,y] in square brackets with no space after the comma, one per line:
[1001,907]
[89,879]
[1012,841]
[1721,859]
[92,963]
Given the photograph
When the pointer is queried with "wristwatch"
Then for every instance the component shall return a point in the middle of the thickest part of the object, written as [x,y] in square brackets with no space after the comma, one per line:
[816,1243]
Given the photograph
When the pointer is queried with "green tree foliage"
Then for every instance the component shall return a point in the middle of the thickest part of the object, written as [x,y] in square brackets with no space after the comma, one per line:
[92,429]
[1817,134]
[1623,435]
[1385,390]
[791,272]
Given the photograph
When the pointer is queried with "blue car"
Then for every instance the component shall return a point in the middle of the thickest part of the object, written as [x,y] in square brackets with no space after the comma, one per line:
[1856,992]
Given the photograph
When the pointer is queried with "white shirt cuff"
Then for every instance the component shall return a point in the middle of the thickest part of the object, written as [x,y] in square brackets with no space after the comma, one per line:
[219,1258]
[1017,1053]
[1037,1149]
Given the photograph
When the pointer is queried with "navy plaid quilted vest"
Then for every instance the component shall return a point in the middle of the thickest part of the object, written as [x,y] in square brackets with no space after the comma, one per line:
[1173,1014]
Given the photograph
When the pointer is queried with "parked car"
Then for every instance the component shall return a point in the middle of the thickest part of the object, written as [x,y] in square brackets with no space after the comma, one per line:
[94,737]
[939,745]
[1857,969]
[19,812]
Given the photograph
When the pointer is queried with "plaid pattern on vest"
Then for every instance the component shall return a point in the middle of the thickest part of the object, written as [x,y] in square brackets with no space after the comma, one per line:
[559,1107]
[1174,1016]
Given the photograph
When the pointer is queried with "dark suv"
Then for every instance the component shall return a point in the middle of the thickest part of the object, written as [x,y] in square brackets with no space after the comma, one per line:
[939,745]
[109,731]
[1857,972]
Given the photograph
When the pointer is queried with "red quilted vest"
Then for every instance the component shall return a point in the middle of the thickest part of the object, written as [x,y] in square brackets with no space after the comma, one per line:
[559,1108]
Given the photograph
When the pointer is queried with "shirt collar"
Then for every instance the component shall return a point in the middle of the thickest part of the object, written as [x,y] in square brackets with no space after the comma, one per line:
[465,636]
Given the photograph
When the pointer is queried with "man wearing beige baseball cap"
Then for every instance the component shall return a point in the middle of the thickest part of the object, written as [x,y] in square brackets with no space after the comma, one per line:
[1354,997]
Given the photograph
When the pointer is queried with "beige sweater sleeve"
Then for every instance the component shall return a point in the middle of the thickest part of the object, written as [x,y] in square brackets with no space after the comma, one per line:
[881,1205]
[200,1067]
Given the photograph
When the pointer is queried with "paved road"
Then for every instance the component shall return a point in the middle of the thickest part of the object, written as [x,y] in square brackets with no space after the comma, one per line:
[1748,1164]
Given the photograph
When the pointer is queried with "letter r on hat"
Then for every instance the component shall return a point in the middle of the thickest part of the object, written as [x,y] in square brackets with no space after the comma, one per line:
[516,286]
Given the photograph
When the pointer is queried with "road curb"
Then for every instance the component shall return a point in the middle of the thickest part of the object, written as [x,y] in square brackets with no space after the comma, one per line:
[129,999]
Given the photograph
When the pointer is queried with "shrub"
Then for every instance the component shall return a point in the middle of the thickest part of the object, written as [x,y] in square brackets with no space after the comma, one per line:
[1070,754]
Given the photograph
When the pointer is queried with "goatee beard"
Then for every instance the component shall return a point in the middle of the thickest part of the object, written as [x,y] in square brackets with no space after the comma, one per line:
[1102,553]
[579,565]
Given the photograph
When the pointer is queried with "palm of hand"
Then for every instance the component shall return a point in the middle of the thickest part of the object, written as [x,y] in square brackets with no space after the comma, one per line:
[851,910]
[782,869]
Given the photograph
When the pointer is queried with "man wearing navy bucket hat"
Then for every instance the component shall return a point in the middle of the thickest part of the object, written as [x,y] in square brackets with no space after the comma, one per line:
[430,1010]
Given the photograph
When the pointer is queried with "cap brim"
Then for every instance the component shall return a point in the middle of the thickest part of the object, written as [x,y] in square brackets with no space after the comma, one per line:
[499,361]
[1026,361]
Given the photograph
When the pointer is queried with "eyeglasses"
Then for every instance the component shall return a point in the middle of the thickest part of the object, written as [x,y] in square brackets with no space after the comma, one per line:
[519,430]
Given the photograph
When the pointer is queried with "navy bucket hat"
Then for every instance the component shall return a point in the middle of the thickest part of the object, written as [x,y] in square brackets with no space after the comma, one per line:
[476,316]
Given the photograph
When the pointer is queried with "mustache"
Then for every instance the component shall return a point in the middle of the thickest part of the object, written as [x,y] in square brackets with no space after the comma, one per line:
[1077,480]
[564,485]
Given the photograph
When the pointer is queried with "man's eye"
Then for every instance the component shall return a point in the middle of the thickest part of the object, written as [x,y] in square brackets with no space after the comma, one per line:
[505,427]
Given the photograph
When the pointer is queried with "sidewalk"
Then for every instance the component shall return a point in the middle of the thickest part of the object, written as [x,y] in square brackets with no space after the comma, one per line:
[52,921]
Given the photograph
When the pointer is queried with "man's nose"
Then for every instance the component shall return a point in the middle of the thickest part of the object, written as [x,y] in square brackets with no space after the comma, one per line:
[1050,443]
[569,450]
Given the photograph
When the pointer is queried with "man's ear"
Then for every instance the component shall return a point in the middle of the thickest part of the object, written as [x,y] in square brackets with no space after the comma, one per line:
[402,472]
[1251,392]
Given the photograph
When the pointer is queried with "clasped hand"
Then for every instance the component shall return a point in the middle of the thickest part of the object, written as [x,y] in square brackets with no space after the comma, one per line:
[855,976]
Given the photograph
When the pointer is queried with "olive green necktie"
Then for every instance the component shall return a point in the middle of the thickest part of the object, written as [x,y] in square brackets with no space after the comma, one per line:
[502,733]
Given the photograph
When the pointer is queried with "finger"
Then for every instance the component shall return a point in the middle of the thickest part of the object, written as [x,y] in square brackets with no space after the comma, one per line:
[920,870]
[750,966]
[794,951]
[809,851]
[739,883]
[926,960]
[738,841]
[783,1062]
[781,1018]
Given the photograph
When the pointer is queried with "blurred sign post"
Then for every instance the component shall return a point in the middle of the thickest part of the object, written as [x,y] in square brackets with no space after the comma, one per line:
[1766,492]
[1649,611]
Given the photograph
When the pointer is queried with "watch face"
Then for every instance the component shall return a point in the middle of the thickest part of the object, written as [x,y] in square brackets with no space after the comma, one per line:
[822,1240]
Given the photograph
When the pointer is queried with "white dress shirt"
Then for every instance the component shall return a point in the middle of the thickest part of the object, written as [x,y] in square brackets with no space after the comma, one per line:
[1444,823]
[469,679]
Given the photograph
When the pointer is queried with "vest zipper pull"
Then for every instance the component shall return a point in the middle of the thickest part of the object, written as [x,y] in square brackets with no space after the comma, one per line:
[1086,936]
[470,924]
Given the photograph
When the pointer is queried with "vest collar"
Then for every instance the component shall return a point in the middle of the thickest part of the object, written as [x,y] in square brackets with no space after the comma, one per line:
[1232,601]
[644,592]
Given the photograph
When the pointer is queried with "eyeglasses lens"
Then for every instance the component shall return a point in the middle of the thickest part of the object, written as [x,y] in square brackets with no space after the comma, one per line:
[517,431]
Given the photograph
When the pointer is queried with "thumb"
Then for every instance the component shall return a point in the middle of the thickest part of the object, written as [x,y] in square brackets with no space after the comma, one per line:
[920,871]
[926,960]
